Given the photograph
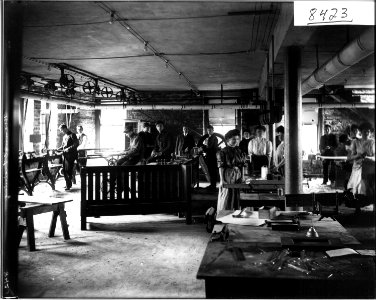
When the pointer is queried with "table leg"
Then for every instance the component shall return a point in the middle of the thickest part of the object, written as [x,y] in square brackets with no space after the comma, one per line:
[30,231]
[51,232]
[21,229]
[63,221]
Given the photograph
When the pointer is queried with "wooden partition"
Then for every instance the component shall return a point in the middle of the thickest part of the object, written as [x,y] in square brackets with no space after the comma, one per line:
[141,189]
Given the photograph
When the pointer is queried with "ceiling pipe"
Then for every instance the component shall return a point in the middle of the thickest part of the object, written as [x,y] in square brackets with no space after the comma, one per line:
[352,53]
[92,106]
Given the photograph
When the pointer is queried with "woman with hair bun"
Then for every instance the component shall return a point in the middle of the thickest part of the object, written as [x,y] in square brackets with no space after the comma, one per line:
[230,163]
[362,155]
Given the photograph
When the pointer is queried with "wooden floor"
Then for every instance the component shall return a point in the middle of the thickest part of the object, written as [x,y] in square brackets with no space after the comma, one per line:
[130,256]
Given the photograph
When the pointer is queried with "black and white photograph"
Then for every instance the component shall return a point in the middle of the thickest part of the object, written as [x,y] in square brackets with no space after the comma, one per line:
[187,149]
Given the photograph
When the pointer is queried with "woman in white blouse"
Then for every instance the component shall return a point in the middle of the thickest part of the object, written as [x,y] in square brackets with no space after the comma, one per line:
[361,182]
[260,150]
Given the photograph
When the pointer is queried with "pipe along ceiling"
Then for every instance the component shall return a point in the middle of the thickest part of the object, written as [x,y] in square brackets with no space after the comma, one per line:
[91,106]
[351,54]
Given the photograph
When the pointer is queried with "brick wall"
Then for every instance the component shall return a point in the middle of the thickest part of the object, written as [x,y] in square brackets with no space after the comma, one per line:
[85,118]
[342,119]
[36,124]
[174,120]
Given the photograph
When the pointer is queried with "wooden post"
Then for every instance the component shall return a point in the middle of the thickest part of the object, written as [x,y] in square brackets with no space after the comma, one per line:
[205,120]
[83,198]
[10,107]
[187,186]
[293,117]
[97,128]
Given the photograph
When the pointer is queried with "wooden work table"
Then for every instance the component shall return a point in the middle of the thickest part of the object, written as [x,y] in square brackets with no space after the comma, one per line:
[252,275]
[256,184]
[38,205]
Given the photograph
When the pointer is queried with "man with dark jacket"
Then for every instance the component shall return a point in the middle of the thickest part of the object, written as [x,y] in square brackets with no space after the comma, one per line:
[211,148]
[184,142]
[328,143]
[70,154]
[135,153]
[243,145]
[163,144]
[147,138]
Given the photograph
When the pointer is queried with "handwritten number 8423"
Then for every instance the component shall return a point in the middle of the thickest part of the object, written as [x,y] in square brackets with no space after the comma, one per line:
[333,14]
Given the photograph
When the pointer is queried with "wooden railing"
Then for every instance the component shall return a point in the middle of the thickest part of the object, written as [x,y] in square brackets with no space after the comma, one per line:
[141,189]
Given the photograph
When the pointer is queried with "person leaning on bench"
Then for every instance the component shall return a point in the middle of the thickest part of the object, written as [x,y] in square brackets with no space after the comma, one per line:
[163,144]
[69,148]
[135,153]
[147,138]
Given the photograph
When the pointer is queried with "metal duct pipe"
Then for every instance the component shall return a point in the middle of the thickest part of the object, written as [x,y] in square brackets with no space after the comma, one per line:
[91,106]
[309,105]
[352,53]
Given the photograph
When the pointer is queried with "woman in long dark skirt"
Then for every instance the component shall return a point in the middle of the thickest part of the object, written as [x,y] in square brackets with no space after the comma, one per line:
[230,163]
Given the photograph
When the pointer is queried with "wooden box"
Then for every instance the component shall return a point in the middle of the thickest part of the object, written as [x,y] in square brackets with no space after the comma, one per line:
[267,212]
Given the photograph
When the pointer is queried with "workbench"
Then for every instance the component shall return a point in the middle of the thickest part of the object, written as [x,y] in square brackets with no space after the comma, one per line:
[259,192]
[251,274]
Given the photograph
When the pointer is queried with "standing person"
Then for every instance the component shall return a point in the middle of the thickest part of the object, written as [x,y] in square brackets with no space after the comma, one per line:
[135,153]
[260,150]
[230,162]
[82,142]
[345,167]
[184,142]
[163,144]
[362,179]
[354,132]
[328,143]
[147,138]
[82,138]
[69,148]
[279,157]
[243,145]
[210,149]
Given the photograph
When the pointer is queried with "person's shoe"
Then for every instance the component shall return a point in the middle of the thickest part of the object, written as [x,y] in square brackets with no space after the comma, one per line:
[67,188]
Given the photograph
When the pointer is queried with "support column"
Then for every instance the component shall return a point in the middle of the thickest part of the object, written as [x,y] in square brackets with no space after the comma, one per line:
[205,120]
[293,116]
[97,128]
[11,49]
[320,123]
[238,121]
[272,138]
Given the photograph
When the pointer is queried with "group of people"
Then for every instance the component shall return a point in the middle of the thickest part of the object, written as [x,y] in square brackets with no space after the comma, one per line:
[144,148]
[359,148]
[232,159]
[227,163]
[71,145]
